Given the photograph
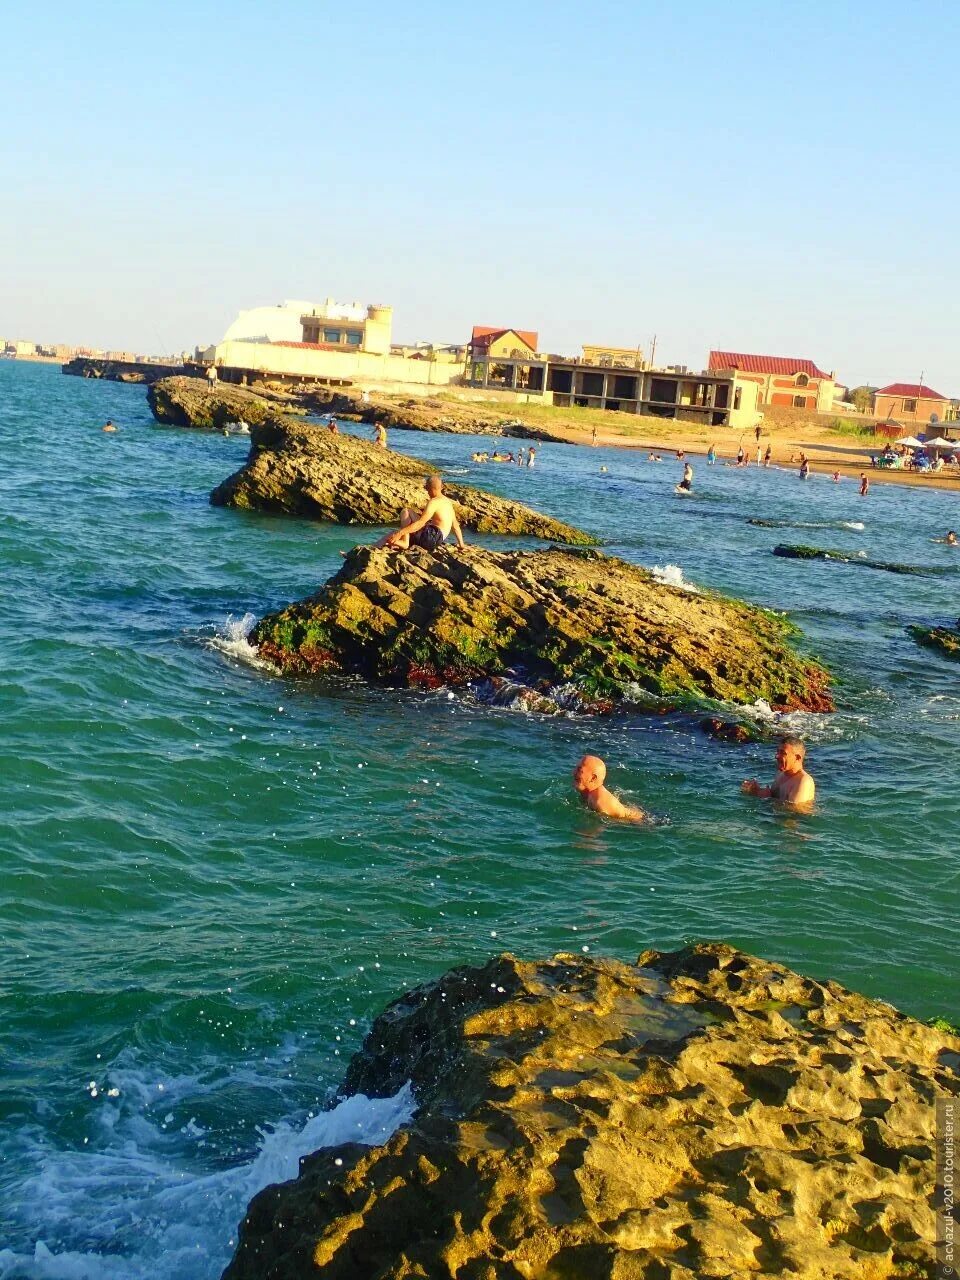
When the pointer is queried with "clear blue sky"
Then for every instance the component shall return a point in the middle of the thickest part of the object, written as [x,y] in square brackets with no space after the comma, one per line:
[762,177]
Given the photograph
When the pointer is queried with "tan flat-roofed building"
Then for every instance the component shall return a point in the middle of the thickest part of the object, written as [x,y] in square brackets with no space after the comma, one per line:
[713,399]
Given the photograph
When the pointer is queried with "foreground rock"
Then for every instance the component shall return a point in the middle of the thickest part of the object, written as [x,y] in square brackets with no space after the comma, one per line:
[552,617]
[301,469]
[704,1114]
[943,640]
[191,402]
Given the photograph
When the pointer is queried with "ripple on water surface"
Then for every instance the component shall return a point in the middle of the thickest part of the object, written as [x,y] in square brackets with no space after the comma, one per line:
[213,879]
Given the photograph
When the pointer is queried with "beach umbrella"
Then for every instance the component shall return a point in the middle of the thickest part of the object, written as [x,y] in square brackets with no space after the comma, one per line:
[938,442]
[911,442]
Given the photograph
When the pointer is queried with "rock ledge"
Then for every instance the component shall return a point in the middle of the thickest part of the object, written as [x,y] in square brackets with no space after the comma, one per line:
[701,1114]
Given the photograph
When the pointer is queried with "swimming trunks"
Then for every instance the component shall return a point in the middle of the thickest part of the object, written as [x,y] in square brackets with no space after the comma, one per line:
[429,537]
[686,485]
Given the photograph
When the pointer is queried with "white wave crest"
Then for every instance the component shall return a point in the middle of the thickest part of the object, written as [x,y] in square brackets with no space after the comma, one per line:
[852,524]
[671,575]
[233,641]
[155,1216]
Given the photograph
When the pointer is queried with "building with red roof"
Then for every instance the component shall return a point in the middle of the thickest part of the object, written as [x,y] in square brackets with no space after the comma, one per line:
[787,381]
[911,402]
[490,342]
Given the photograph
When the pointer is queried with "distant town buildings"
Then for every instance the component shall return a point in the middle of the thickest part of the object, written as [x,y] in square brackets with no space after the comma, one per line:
[333,343]
[615,379]
[911,402]
[781,380]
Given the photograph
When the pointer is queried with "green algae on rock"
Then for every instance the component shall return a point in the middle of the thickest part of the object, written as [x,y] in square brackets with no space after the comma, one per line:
[702,1113]
[300,468]
[555,617]
[801,552]
[943,640]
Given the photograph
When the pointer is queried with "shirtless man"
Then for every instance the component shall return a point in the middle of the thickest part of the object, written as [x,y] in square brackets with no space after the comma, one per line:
[588,778]
[431,527]
[792,786]
[686,484]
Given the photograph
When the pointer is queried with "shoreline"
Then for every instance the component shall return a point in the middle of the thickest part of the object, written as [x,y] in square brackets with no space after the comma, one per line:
[831,455]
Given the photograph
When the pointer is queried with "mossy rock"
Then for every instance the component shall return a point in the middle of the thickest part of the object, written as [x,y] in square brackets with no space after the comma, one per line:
[800,552]
[550,618]
[943,640]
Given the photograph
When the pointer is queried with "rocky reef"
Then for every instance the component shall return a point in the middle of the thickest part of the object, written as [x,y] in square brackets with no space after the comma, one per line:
[943,640]
[302,469]
[549,618]
[191,402]
[801,552]
[701,1114]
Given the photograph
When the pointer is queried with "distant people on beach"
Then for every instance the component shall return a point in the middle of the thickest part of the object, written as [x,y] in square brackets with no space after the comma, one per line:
[711,455]
[757,431]
[520,456]
[804,467]
[654,457]
[332,427]
[864,484]
[531,456]
[380,435]
[767,456]
[686,484]
[588,780]
[212,377]
[792,785]
[836,477]
[593,437]
[741,457]
[431,528]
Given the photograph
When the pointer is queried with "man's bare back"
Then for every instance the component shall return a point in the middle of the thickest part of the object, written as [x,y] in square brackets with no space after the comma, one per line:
[432,526]
[588,779]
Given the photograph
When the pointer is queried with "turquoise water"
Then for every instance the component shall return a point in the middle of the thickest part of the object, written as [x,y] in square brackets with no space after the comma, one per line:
[212,879]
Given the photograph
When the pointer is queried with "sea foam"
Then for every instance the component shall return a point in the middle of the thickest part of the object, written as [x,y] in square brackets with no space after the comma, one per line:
[233,640]
[132,1210]
[671,575]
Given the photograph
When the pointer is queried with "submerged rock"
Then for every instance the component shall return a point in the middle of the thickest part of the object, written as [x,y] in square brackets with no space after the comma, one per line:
[801,552]
[944,640]
[703,1113]
[543,618]
[191,402]
[302,469]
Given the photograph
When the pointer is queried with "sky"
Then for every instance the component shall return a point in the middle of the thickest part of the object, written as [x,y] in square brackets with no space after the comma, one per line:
[775,177]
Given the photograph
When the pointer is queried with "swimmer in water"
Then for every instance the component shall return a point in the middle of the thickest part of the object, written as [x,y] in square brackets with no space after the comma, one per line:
[711,455]
[380,435]
[793,785]
[864,484]
[950,540]
[588,779]
[836,477]
[686,484]
[109,427]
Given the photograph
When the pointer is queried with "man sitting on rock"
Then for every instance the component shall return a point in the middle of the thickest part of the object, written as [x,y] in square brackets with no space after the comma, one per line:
[431,528]
[588,779]
[792,785]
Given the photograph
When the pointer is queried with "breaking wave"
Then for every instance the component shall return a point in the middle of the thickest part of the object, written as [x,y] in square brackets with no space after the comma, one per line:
[233,640]
[132,1210]
[671,575]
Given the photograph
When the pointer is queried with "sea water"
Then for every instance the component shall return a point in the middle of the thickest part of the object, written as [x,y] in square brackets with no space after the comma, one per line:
[212,879]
